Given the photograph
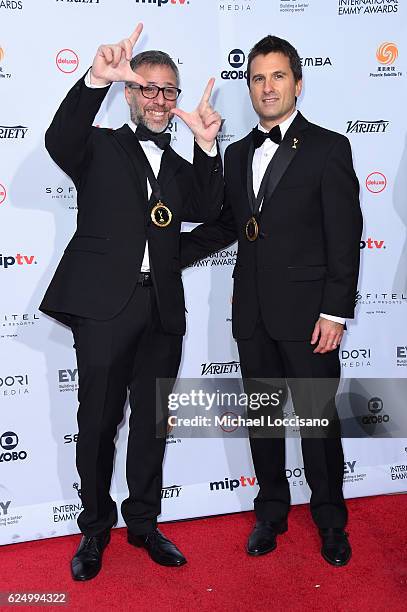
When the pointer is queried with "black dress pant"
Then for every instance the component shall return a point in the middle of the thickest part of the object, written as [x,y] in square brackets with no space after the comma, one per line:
[262,357]
[126,353]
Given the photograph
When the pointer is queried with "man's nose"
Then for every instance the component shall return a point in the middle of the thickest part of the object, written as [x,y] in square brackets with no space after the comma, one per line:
[268,85]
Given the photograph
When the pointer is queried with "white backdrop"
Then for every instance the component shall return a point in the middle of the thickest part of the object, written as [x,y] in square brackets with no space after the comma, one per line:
[354,58]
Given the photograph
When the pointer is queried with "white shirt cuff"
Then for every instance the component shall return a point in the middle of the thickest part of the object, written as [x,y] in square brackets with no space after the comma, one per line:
[213,152]
[89,84]
[333,318]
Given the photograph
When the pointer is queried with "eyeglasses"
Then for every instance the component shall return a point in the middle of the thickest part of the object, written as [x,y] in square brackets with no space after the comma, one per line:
[152,91]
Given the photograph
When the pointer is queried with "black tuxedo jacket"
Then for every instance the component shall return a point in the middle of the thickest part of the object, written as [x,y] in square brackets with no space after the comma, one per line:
[101,264]
[306,259]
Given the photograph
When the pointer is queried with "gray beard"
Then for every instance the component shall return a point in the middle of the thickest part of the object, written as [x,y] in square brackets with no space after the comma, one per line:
[138,118]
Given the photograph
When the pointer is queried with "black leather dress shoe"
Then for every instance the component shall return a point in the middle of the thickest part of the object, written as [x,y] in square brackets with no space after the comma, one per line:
[87,562]
[335,546]
[160,548]
[263,538]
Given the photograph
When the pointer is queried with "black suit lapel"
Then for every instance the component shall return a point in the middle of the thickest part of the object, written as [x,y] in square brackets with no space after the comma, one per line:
[127,140]
[170,163]
[286,152]
[246,171]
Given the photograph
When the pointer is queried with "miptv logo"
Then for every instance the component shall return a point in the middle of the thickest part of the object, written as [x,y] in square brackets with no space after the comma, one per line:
[376,182]
[387,53]
[67,61]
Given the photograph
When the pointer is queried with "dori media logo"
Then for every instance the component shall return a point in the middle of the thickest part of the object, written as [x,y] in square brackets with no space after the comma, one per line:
[67,61]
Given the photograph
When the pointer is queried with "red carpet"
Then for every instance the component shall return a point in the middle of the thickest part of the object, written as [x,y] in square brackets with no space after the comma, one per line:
[220,575]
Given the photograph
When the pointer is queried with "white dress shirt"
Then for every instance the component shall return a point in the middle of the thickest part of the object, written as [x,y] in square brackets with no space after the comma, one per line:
[154,155]
[261,160]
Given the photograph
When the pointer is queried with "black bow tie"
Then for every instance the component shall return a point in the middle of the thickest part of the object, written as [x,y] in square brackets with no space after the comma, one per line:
[162,139]
[259,137]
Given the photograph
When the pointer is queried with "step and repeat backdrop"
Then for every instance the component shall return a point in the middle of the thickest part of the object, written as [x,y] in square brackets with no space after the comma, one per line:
[354,58]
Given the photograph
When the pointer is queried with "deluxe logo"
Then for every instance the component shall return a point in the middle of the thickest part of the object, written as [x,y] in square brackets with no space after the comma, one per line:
[376,182]
[21,260]
[11,4]
[367,127]
[8,442]
[316,61]
[67,61]
[387,53]
[13,131]
[160,3]
[210,369]
[3,193]
[370,243]
[363,7]
[236,59]
[171,492]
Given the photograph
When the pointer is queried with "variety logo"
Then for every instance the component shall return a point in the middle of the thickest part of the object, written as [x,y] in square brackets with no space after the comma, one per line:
[376,182]
[226,257]
[371,243]
[387,53]
[356,358]
[13,131]
[367,127]
[401,353]
[11,4]
[213,368]
[3,193]
[361,7]
[8,442]
[171,492]
[11,386]
[6,261]
[236,59]
[68,380]
[67,61]
[316,61]
[161,3]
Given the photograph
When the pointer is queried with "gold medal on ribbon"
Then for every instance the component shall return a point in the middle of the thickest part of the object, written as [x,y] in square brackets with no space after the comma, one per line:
[252,229]
[161,215]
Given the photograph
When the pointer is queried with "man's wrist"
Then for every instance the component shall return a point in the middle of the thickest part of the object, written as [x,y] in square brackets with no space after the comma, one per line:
[205,144]
[97,82]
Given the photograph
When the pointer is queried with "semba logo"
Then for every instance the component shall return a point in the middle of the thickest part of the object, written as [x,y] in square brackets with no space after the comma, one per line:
[21,260]
[160,3]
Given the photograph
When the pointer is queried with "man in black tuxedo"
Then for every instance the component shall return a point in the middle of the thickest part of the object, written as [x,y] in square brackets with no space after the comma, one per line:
[292,202]
[118,285]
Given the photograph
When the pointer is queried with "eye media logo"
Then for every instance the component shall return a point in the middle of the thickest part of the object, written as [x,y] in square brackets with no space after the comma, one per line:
[236,59]
[358,7]
[67,61]
[13,132]
[387,54]
[8,442]
[376,182]
[3,193]
[160,3]
[367,127]
[6,261]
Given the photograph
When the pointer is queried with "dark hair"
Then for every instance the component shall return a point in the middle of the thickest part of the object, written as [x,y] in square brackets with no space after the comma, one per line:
[154,58]
[273,44]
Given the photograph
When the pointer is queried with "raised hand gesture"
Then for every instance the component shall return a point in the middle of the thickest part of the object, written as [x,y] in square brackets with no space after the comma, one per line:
[204,121]
[112,62]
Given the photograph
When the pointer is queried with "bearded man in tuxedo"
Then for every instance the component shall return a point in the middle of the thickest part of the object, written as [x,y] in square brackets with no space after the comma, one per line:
[292,202]
[118,285]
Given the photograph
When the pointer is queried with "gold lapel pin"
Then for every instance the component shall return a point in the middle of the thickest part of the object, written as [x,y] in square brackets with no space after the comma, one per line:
[295,142]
